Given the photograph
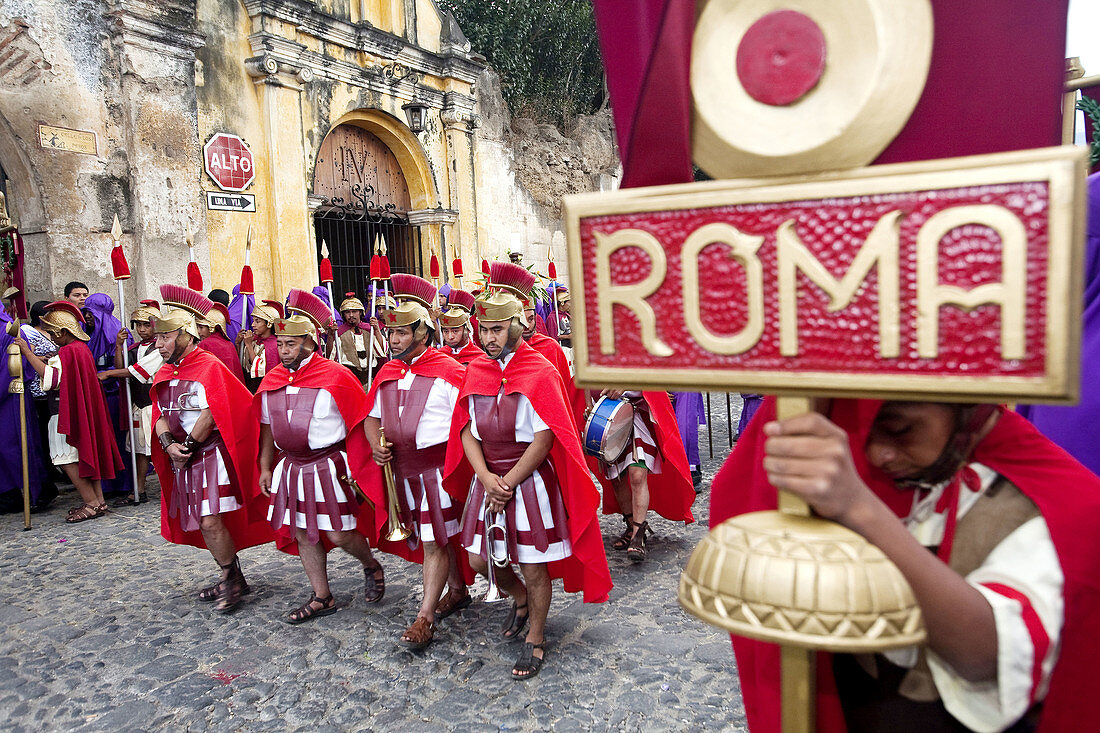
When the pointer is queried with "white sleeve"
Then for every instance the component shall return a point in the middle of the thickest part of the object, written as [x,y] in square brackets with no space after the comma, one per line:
[376,408]
[527,420]
[1022,581]
[200,396]
[473,418]
[265,416]
[51,378]
[450,392]
[147,366]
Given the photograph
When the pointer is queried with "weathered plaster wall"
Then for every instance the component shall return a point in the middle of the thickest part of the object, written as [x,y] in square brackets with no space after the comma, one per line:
[523,171]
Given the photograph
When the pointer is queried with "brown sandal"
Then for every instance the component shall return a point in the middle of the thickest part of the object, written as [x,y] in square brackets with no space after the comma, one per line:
[419,635]
[210,593]
[453,602]
[623,540]
[637,550]
[374,582]
[307,611]
[231,589]
[84,512]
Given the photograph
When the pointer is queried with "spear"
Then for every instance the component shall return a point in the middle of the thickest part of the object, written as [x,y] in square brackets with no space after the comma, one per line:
[456,268]
[375,276]
[325,271]
[194,276]
[247,286]
[552,271]
[433,269]
[121,271]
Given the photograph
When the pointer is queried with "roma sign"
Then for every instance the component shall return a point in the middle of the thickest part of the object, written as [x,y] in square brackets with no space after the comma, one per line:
[957,278]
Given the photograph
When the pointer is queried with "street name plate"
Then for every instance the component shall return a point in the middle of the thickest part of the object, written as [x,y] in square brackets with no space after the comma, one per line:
[952,278]
[51,137]
[216,201]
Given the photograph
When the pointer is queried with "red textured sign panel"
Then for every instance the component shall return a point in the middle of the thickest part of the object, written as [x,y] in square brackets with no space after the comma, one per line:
[228,162]
[957,278]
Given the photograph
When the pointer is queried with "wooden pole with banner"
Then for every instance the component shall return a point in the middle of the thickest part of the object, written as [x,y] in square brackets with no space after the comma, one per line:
[803,271]
[121,272]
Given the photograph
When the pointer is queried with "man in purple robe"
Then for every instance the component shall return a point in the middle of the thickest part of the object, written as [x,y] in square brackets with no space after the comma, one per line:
[11,454]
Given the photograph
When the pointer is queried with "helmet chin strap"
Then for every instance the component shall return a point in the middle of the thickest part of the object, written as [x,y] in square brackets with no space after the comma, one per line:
[412,347]
[177,352]
[509,347]
[968,422]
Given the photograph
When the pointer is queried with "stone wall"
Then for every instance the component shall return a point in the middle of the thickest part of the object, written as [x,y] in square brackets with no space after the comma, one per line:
[526,168]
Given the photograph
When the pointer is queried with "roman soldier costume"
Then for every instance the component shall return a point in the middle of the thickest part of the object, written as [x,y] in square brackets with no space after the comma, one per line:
[267,355]
[218,343]
[145,361]
[216,478]
[460,305]
[357,348]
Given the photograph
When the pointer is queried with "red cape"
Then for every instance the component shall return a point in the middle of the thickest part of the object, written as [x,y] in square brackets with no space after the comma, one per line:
[84,419]
[466,354]
[526,373]
[229,401]
[552,350]
[436,364]
[671,492]
[347,392]
[226,352]
[1066,493]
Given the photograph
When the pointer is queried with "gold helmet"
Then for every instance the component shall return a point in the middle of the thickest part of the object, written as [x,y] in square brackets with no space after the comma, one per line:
[499,306]
[147,311]
[61,315]
[218,319]
[406,314]
[351,303]
[176,319]
[270,311]
[296,325]
[460,304]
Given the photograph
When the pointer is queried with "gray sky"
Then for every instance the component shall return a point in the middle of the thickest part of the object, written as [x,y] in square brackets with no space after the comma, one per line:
[1083,38]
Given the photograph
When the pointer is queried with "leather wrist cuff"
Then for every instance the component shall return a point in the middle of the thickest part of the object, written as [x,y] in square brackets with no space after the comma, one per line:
[166,440]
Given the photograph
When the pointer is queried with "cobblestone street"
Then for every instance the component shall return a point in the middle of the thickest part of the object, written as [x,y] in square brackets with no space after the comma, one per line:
[101,631]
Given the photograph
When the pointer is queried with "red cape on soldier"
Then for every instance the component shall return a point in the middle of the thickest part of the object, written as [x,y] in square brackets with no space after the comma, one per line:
[347,393]
[586,569]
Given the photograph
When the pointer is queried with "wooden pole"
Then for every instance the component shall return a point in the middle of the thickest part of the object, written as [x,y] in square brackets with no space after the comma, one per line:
[798,684]
[129,401]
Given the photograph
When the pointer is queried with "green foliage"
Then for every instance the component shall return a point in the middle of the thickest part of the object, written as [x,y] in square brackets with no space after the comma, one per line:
[1091,108]
[545,51]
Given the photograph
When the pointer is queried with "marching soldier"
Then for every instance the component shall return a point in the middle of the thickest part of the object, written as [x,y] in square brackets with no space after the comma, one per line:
[357,347]
[311,410]
[260,352]
[456,330]
[514,453]
[215,339]
[205,450]
[412,401]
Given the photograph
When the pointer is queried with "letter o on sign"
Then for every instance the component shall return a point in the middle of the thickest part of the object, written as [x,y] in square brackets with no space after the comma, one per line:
[228,161]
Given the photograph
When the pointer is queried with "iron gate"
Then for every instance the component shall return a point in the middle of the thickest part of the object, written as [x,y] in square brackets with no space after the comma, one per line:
[350,230]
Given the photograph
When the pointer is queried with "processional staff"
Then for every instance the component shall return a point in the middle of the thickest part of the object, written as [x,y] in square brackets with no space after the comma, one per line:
[121,271]
[324,270]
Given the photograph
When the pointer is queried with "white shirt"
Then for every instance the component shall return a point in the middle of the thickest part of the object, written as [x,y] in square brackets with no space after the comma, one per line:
[1027,563]
[148,362]
[528,421]
[435,422]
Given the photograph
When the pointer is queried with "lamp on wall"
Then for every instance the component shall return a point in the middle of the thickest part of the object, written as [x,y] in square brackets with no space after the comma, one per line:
[417,115]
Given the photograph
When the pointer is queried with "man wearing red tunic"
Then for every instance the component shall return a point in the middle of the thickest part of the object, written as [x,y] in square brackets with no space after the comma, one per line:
[514,451]
[653,472]
[214,338]
[1007,593]
[311,411]
[82,439]
[260,352]
[357,348]
[455,328]
[412,400]
[205,449]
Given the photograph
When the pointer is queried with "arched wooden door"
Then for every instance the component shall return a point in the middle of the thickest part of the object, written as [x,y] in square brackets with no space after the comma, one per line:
[365,196]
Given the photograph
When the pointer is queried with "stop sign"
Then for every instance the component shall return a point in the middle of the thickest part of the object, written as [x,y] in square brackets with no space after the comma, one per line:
[228,162]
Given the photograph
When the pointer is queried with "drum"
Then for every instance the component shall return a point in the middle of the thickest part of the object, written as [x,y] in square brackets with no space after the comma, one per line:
[609,429]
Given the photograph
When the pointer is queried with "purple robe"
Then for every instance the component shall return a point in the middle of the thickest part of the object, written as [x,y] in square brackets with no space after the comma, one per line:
[690,414]
[750,403]
[11,453]
[1074,428]
[234,325]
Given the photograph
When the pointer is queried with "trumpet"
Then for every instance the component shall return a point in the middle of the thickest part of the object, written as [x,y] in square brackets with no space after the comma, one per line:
[398,530]
[496,525]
